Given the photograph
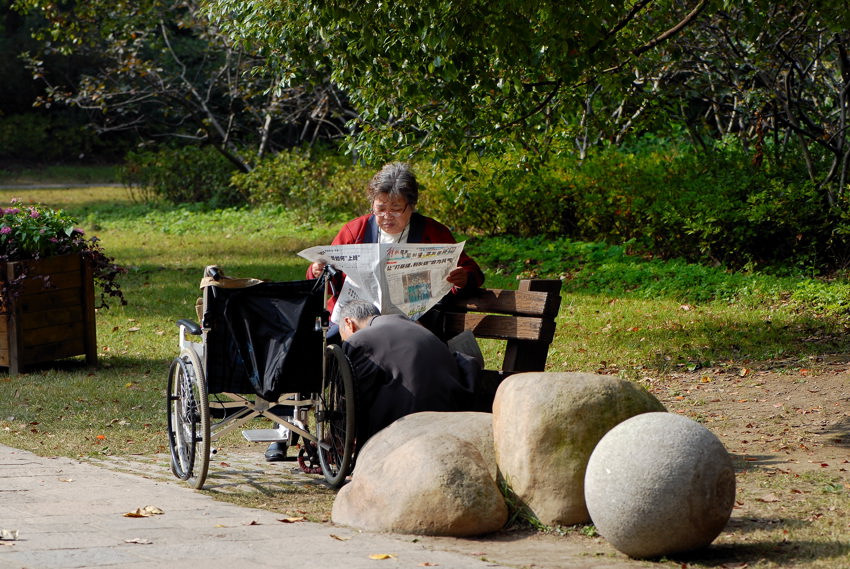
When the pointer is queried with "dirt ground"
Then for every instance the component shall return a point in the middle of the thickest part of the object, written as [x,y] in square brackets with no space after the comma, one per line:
[787,428]
[788,431]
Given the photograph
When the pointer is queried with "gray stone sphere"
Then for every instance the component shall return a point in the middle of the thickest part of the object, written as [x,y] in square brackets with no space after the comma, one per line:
[658,484]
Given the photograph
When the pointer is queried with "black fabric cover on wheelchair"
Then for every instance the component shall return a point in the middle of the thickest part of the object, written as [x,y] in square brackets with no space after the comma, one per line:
[263,339]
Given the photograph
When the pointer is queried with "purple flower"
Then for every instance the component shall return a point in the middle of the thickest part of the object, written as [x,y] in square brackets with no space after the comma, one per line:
[5,230]
[34,213]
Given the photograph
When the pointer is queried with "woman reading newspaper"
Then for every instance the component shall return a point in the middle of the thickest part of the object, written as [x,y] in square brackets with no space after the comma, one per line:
[393,193]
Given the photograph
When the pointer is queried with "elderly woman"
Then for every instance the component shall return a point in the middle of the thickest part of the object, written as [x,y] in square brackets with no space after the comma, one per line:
[393,193]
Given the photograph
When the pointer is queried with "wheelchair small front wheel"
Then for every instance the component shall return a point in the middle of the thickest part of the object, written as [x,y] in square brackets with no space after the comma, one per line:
[335,418]
[188,421]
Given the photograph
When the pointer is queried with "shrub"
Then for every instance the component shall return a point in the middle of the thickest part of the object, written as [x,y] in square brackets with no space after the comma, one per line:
[660,198]
[188,174]
[497,197]
[313,181]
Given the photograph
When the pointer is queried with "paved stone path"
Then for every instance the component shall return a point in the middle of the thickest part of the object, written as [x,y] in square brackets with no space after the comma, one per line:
[58,513]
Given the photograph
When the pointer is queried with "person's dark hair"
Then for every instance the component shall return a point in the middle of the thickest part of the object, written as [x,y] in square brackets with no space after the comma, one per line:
[358,310]
[395,179]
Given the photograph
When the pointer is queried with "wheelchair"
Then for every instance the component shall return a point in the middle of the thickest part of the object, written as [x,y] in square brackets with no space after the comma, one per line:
[263,352]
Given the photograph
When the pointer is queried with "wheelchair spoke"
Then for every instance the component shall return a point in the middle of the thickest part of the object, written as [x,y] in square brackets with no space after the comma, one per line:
[335,418]
[188,422]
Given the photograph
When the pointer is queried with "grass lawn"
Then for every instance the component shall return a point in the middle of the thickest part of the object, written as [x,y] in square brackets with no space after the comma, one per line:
[645,321]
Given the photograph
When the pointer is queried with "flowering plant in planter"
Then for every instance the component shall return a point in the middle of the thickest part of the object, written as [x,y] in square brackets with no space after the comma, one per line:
[32,232]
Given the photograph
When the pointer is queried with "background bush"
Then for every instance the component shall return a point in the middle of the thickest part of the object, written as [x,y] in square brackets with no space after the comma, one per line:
[656,197]
[660,199]
[314,181]
[188,174]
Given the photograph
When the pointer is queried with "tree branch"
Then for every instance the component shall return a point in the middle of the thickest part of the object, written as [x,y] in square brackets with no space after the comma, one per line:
[620,25]
[672,31]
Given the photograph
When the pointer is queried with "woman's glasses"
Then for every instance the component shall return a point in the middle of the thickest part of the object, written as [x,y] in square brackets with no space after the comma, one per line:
[381,212]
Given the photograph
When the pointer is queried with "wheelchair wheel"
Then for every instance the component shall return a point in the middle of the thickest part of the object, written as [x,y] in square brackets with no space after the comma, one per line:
[188,420]
[335,418]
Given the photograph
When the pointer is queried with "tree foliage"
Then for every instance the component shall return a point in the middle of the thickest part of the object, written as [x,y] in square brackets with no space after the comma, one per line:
[773,75]
[444,76]
[162,69]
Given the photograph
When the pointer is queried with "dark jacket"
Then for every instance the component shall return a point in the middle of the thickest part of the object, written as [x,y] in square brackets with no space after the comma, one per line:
[401,368]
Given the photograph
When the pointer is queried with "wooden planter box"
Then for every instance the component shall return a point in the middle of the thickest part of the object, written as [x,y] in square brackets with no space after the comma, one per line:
[51,318]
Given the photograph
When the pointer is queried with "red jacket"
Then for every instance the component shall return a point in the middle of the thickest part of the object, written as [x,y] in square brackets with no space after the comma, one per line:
[422,229]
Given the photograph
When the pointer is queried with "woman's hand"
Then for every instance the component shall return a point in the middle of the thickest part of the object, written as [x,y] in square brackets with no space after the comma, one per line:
[316,269]
[458,277]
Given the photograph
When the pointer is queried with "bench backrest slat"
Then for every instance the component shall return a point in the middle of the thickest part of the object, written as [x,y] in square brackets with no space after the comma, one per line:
[513,302]
[500,327]
[525,318]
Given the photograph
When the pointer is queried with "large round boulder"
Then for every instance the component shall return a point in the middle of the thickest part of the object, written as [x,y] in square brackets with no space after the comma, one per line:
[545,426]
[659,484]
[431,483]
[471,426]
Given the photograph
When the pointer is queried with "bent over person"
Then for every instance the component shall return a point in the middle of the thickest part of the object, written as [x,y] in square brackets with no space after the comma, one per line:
[400,367]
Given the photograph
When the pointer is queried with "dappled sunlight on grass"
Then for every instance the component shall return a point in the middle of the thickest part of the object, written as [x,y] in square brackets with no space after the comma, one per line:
[598,332]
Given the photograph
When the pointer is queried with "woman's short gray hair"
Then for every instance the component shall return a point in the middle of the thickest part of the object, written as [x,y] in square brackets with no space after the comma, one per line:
[358,310]
[394,179]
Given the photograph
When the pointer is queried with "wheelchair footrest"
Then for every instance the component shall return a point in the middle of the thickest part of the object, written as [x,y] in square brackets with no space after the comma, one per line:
[265,435]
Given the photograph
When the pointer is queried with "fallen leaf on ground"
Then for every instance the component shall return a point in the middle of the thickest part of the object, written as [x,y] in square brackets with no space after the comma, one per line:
[382,556]
[139,540]
[145,512]
[11,534]
[768,498]
[339,538]
[292,520]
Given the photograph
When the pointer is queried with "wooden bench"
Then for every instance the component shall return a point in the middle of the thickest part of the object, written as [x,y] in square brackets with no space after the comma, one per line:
[523,318]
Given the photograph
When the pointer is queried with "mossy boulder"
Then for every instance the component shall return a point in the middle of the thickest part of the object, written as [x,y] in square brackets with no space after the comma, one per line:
[545,427]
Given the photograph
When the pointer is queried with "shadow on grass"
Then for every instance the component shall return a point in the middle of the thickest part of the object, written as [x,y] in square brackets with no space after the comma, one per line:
[839,434]
[778,554]
[747,462]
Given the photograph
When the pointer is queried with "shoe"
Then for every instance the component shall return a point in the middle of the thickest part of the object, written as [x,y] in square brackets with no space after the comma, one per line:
[276,452]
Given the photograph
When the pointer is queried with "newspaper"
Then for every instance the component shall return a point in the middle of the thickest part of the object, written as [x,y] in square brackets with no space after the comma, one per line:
[398,278]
